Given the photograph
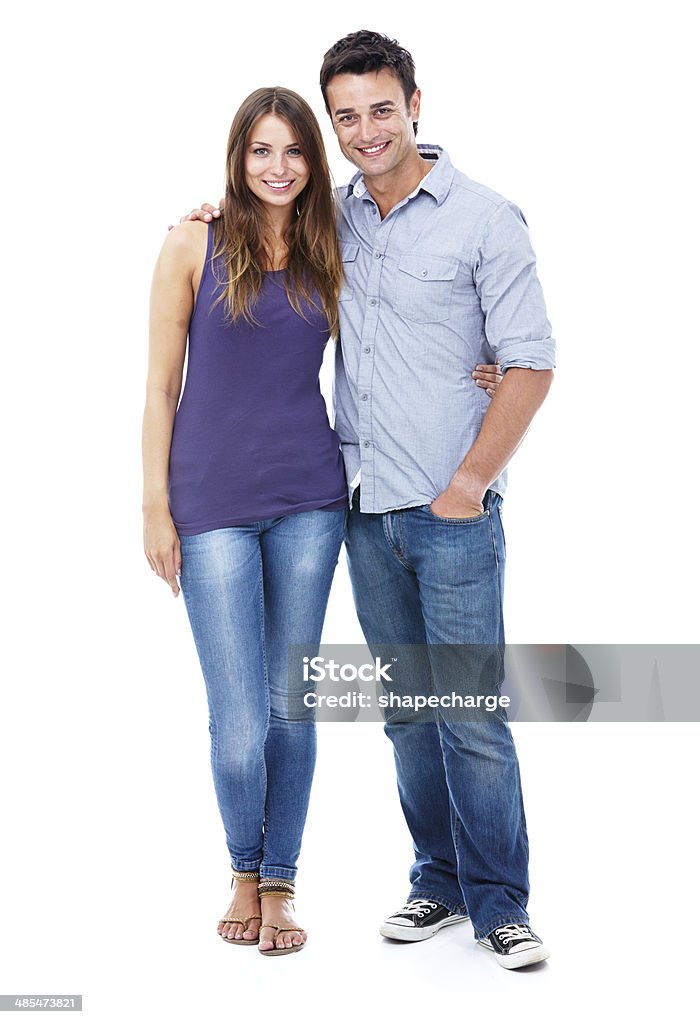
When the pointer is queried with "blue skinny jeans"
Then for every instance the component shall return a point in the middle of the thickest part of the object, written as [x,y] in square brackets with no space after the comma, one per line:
[250,591]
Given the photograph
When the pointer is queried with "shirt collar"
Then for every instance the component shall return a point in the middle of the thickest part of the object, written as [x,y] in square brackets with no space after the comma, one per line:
[436,182]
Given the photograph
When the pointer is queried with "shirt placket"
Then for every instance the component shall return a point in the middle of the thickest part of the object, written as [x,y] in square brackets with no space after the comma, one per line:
[378,232]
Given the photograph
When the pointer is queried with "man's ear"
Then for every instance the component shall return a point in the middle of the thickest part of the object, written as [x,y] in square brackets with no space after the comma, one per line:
[414,105]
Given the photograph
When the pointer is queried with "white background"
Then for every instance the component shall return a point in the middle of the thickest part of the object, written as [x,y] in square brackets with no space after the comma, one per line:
[113,869]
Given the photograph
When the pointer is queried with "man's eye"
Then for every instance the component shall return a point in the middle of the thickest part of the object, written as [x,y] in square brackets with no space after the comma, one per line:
[384,110]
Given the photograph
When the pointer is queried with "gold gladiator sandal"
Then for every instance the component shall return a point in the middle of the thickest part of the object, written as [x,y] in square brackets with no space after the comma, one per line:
[242,876]
[278,887]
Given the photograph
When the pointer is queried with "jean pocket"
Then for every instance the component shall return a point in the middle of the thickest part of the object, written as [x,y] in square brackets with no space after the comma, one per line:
[348,254]
[459,522]
[424,289]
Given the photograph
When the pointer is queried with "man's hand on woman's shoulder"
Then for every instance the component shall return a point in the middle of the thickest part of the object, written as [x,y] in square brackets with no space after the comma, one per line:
[204,212]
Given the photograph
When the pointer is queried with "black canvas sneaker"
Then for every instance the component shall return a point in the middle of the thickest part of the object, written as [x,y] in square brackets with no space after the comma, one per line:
[419,919]
[515,945]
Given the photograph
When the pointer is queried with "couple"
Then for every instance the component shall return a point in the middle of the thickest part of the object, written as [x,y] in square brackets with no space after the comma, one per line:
[246,493]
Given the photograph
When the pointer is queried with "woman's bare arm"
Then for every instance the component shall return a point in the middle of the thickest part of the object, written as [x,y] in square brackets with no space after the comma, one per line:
[175,281]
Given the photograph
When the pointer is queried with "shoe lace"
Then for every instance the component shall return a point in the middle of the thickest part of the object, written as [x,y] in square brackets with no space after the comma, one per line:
[418,907]
[513,933]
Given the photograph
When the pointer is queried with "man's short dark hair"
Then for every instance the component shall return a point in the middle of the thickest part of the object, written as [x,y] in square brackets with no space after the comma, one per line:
[364,51]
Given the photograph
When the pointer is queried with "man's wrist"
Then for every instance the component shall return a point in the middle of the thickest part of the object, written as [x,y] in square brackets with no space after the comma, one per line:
[468,485]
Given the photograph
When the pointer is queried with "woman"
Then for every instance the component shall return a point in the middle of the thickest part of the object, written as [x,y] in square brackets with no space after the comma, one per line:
[244,492]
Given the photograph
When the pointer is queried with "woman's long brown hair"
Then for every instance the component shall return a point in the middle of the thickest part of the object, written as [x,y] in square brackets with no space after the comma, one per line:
[240,236]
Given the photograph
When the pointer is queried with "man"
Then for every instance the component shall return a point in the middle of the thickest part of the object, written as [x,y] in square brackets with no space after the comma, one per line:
[439,276]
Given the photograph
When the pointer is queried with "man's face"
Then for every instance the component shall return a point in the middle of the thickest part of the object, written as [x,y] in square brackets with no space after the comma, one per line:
[370,118]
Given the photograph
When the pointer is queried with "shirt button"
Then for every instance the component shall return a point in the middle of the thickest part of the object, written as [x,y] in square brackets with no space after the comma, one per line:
[377,255]
[373,302]
[368,349]
[424,273]
[364,398]
[365,444]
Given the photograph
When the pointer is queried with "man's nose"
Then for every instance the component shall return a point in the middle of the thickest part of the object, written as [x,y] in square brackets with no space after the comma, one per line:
[367,129]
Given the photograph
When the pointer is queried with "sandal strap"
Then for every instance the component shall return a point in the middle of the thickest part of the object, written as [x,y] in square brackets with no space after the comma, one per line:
[278,928]
[276,887]
[241,920]
[244,876]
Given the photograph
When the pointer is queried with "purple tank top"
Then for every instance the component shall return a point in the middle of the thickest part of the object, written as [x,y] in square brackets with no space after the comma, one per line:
[251,437]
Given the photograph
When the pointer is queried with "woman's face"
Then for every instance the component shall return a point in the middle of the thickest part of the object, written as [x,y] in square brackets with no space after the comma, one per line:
[275,168]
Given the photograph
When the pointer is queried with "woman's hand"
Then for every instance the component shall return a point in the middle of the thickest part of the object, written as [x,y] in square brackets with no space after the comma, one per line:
[488,376]
[205,212]
[162,547]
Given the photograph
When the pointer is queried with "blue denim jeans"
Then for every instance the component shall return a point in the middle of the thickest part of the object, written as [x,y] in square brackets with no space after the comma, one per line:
[250,591]
[422,580]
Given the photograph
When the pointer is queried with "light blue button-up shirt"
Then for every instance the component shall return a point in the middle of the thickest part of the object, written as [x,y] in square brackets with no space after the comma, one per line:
[447,280]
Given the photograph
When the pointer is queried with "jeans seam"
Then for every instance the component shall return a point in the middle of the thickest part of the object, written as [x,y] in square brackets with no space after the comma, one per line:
[401,535]
[500,519]
[263,650]
[245,865]
[268,871]
[500,602]
[394,550]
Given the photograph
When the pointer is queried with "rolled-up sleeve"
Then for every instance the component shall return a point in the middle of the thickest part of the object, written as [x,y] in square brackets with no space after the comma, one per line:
[505,275]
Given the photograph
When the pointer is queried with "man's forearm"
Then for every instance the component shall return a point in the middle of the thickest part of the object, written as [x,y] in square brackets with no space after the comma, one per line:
[504,426]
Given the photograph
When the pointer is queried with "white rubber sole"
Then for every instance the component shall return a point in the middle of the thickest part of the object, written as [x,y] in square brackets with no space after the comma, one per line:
[405,934]
[514,960]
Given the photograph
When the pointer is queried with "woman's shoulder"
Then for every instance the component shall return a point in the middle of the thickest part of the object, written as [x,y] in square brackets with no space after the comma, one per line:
[185,246]
[191,234]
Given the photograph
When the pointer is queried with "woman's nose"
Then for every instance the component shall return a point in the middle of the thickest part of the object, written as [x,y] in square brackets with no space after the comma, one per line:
[278,166]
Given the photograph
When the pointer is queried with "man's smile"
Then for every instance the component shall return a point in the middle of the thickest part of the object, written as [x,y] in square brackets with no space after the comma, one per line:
[374,150]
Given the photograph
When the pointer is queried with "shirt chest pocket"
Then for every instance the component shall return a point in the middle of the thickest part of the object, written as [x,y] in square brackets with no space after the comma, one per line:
[348,254]
[424,288]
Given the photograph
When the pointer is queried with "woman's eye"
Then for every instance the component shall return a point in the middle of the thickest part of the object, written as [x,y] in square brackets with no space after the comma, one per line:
[260,152]
[293,152]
